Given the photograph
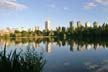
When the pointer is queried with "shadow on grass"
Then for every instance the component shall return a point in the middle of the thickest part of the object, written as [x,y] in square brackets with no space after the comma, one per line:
[28,61]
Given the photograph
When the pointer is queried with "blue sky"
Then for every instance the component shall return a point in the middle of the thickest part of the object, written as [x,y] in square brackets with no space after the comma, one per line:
[30,13]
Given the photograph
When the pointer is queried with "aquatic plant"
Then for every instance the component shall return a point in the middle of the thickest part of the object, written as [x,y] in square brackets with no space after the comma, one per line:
[22,61]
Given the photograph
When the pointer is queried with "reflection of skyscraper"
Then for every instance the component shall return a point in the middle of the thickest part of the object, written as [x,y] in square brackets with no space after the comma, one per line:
[104,46]
[47,25]
[79,48]
[88,46]
[72,46]
[2,42]
[96,45]
[36,45]
[48,47]
[8,43]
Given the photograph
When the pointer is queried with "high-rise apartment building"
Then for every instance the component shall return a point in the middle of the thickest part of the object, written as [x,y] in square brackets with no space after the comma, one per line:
[95,24]
[47,25]
[79,24]
[36,27]
[87,24]
[72,25]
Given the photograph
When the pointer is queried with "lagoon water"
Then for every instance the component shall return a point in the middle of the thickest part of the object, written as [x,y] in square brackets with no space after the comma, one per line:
[67,55]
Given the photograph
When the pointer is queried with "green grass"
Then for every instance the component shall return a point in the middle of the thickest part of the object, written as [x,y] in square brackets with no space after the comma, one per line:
[23,61]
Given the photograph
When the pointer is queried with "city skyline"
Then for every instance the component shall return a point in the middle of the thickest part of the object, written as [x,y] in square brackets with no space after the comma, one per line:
[25,13]
[48,26]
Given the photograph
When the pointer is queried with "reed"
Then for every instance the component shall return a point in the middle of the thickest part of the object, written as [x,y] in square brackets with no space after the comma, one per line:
[22,61]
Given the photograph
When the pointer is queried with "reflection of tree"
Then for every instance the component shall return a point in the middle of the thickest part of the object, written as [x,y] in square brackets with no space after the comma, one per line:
[58,43]
[24,40]
[63,42]
[80,43]
[17,41]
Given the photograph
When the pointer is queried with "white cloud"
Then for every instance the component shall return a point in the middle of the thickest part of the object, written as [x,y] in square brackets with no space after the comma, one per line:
[90,5]
[11,4]
[96,3]
[66,8]
[103,2]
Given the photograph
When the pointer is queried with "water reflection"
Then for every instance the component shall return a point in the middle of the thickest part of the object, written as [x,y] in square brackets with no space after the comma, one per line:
[48,47]
[88,46]
[70,55]
[101,67]
[73,44]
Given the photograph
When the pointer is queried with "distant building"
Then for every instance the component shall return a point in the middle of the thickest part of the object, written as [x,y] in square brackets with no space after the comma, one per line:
[79,24]
[31,29]
[6,31]
[72,24]
[95,24]
[63,29]
[23,29]
[47,25]
[14,29]
[87,24]
[36,27]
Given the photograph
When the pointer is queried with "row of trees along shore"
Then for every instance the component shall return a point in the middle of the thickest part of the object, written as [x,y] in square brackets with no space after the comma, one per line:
[68,32]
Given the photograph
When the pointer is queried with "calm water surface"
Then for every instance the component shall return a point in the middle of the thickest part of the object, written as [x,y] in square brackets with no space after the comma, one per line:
[68,56]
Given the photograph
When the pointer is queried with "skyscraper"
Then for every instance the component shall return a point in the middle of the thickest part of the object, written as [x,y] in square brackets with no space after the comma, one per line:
[72,25]
[36,28]
[79,24]
[47,25]
[87,24]
[95,24]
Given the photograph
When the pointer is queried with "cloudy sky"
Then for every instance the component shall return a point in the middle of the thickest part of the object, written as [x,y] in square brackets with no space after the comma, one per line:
[30,13]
